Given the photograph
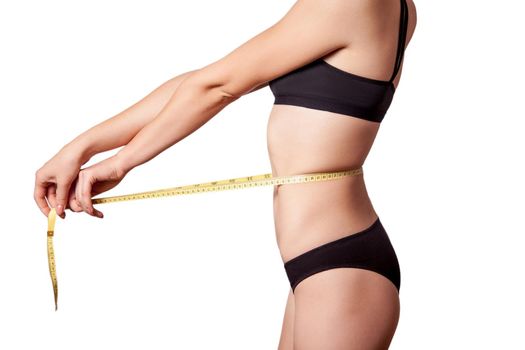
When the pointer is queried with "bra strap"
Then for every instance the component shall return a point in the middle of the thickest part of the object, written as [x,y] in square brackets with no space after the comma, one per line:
[403,25]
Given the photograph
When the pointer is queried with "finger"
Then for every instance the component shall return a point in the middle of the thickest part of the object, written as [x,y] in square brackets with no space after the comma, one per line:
[78,195]
[62,192]
[39,196]
[98,213]
[51,195]
[94,190]
[73,203]
[53,202]
[84,193]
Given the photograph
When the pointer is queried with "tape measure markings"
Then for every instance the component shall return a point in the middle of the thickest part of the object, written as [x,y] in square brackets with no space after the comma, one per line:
[235,183]
[219,185]
[51,253]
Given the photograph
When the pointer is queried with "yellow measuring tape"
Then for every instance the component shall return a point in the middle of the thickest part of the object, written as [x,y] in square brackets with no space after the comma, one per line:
[220,185]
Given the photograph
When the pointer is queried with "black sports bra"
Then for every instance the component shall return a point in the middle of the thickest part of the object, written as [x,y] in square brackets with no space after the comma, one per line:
[320,85]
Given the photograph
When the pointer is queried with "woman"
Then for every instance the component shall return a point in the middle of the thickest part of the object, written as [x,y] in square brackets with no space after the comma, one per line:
[333,67]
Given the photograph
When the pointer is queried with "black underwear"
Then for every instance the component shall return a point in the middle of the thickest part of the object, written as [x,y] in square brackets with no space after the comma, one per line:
[369,249]
[321,85]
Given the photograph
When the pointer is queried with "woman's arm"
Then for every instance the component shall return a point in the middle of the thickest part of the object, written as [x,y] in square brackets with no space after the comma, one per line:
[188,109]
[54,179]
[310,29]
[121,128]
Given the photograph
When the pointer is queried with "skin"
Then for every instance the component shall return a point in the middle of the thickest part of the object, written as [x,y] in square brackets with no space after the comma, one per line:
[344,308]
[58,179]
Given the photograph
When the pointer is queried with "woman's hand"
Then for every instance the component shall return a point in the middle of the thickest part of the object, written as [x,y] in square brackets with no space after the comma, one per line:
[53,180]
[94,180]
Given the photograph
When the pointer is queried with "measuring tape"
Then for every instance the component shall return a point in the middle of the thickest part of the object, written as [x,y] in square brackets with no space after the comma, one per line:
[220,185]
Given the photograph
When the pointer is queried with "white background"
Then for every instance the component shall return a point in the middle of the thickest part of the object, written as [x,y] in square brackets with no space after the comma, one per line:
[193,272]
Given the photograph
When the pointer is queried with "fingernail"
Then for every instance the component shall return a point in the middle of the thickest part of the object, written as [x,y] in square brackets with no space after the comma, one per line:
[59,209]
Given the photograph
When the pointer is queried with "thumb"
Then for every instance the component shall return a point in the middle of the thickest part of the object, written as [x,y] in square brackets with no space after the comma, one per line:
[62,194]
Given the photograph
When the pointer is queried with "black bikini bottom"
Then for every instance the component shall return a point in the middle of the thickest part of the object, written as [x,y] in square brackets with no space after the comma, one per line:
[369,249]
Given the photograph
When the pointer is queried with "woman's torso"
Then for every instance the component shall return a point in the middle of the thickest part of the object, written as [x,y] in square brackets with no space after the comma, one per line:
[302,140]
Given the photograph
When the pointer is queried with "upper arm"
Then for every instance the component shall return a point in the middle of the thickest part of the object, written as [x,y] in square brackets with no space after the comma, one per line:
[309,30]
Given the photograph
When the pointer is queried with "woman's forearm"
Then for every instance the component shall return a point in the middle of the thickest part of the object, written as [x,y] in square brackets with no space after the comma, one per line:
[190,107]
[121,128]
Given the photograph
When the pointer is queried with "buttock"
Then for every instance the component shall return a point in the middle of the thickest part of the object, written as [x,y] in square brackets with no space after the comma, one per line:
[369,249]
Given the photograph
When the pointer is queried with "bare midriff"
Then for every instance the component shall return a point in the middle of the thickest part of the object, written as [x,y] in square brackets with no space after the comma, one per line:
[302,140]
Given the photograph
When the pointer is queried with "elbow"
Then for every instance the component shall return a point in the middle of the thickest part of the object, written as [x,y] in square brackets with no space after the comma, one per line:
[219,95]
[215,92]
[199,99]
[202,96]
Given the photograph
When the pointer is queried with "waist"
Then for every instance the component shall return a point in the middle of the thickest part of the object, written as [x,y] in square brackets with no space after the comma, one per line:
[309,200]
[306,212]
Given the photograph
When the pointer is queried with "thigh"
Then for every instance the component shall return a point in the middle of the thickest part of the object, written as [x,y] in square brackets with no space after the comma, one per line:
[345,308]
[286,340]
